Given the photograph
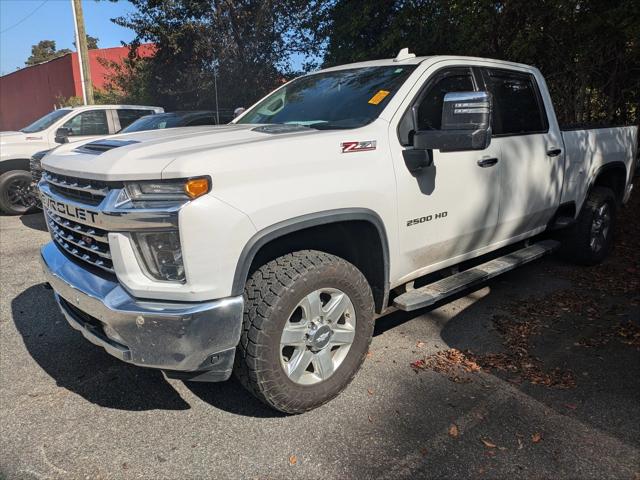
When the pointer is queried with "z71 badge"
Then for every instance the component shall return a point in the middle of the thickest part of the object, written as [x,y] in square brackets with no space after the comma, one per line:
[349,147]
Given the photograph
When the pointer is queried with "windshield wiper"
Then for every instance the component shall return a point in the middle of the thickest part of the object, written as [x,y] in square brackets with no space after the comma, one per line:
[330,126]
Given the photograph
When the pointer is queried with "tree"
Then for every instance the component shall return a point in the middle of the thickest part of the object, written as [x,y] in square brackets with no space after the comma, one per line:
[92,42]
[244,47]
[43,51]
[588,50]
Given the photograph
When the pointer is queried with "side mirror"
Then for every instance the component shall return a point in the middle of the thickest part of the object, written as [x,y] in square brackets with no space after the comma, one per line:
[62,135]
[466,124]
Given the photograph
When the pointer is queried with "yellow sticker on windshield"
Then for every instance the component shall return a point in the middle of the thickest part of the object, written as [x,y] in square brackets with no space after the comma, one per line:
[378,97]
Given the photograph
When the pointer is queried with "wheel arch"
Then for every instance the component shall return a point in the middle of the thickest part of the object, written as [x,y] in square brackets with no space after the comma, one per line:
[14,164]
[315,231]
[611,175]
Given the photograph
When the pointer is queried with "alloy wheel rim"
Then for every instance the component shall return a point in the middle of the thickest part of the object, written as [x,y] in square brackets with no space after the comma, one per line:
[18,193]
[600,228]
[317,336]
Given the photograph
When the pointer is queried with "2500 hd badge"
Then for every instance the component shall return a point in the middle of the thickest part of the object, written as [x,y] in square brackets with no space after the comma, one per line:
[427,218]
[68,210]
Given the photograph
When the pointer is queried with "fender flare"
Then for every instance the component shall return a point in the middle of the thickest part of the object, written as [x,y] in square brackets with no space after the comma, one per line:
[266,235]
[18,163]
[599,171]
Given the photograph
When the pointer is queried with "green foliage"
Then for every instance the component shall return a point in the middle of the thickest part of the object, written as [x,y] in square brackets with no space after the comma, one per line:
[74,101]
[44,51]
[129,82]
[245,47]
[588,50]
[92,43]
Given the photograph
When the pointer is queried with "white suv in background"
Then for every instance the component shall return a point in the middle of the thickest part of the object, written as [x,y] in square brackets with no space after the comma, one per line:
[79,123]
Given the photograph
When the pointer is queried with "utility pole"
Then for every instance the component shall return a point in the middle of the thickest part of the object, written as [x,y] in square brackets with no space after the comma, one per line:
[83,52]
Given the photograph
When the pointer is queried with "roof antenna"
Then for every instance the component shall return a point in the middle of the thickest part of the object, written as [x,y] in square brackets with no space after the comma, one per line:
[404,55]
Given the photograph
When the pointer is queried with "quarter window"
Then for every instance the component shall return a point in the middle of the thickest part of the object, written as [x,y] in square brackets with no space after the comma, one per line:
[517,106]
[93,122]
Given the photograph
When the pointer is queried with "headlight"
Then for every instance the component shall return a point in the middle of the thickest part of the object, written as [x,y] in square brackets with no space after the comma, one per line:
[161,255]
[146,193]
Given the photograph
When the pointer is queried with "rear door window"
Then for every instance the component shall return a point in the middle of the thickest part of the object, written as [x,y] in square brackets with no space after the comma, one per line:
[517,105]
[128,116]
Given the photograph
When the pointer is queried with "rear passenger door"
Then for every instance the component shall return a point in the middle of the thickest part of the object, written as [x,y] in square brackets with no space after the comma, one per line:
[531,155]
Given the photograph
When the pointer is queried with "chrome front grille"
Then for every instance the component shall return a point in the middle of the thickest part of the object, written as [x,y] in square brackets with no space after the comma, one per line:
[90,192]
[81,241]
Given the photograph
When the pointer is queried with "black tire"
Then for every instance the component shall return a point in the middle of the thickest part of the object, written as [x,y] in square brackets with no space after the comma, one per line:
[578,242]
[15,198]
[271,295]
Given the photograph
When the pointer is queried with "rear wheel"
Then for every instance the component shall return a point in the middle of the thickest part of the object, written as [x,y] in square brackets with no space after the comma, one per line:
[308,322]
[591,238]
[16,196]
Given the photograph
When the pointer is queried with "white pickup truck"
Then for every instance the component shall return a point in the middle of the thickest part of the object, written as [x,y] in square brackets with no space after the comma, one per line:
[266,247]
[62,125]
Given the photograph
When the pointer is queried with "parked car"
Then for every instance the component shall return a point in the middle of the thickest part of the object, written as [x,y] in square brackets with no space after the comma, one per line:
[172,120]
[66,124]
[267,246]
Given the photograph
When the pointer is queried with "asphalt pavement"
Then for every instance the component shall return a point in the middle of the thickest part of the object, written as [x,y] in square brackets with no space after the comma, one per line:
[69,410]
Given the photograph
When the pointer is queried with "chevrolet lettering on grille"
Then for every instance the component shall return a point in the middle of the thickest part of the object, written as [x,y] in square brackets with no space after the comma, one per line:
[68,210]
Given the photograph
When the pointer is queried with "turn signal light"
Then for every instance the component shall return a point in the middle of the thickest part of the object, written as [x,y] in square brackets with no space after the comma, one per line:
[196,187]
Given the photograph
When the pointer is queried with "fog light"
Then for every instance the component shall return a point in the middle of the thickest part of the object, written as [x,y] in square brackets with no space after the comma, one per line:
[161,255]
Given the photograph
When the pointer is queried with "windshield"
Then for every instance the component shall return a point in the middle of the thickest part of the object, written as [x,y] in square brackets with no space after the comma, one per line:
[153,122]
[46,121]
[340,99]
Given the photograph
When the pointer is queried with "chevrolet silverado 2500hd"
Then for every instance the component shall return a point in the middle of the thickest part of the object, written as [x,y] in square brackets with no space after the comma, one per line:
[266,247]
[65,124]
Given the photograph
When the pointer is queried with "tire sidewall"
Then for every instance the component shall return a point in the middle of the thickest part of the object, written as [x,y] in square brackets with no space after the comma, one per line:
[325,276]
[601,196]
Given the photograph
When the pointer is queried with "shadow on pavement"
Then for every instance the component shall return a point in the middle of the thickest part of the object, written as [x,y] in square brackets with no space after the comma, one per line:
[231,397]
[34,221]
[81,367]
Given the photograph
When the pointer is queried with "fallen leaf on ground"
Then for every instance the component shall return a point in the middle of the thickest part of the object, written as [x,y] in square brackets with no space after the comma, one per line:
[488,444]
[293,460]
[370,391]
[370,419]
[536,437]
[453,431]
[420,344]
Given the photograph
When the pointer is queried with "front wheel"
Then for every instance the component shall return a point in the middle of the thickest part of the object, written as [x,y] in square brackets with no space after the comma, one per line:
[16,196]
[308,322]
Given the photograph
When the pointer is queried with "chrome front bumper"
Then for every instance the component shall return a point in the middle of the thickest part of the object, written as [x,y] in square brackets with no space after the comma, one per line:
[199,338]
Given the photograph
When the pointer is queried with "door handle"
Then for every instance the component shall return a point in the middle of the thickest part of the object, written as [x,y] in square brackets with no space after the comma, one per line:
[487,162]
[554,152]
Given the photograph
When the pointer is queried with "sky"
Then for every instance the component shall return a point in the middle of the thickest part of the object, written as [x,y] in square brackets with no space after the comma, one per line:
[24,23]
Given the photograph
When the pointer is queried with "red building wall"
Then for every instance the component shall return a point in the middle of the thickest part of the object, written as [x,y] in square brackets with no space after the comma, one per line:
[29,93]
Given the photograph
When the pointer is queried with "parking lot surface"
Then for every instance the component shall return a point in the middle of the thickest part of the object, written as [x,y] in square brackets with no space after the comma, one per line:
[563,398]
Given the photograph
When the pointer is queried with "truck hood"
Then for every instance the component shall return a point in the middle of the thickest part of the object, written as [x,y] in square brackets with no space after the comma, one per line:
[143,155]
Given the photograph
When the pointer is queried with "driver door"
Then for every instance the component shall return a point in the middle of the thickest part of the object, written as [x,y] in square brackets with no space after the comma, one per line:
[450,208]
[89,124]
